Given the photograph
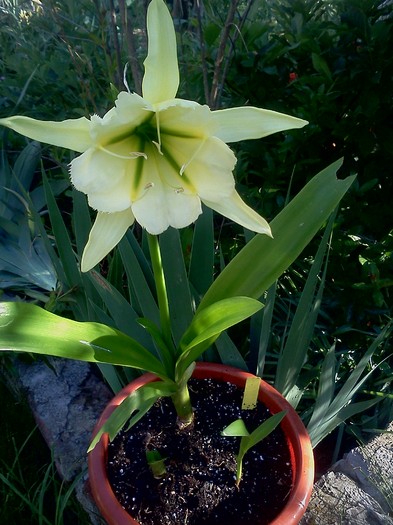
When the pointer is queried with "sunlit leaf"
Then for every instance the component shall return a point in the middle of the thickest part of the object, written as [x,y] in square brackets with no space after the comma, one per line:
[28,328]
[264,259]
[208,324]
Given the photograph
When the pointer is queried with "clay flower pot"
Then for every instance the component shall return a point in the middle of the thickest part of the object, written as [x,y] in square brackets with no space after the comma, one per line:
[297,439]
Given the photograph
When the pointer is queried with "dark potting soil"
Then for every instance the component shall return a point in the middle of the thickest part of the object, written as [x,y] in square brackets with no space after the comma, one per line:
[200,482]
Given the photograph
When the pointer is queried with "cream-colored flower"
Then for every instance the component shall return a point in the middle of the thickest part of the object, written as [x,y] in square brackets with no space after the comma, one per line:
[156,158]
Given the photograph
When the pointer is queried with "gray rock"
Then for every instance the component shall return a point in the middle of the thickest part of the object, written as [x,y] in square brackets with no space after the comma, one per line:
[359,488]
[66,398]
[371,467]
[337,499]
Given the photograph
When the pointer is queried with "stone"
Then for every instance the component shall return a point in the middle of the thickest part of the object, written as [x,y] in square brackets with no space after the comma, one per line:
[371,467]
[66,399]
[358,489]
[337,499]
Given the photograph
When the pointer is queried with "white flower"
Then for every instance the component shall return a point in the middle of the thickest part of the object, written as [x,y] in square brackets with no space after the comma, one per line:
[156,158]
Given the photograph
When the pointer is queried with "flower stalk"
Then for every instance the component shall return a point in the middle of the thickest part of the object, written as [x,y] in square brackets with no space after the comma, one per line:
[181,398]
[162,296]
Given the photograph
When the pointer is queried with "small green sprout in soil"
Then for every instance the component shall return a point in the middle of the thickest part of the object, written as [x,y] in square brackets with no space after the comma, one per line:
[238,429]
[156,463]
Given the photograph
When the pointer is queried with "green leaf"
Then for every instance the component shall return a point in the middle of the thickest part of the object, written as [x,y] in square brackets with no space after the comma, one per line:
[263,259]
[255,437]
[202,253]
[81,220]
[263,430]
[137,280]
[329,412]
[179,295]
[303,324]
[318,432]
[325,389]
[208,324]
[140,401]
[229,353]
[64,244]
[320,65]
[236,428]
[123,315]
[25,166]
[260,330]
[156,463]
[216,318]
[165,352]
[28,328]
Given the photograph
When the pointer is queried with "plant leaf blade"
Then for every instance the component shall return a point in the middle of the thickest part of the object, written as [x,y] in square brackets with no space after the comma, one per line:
[264,259]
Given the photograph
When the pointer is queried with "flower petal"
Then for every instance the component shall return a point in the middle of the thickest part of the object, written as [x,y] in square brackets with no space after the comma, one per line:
[247,122]
[164,198]
[129,112]
[183,208]
[171,208]
[208,165]
[73,134]
[95,172]
[106,232]
[161,78]
[236,209]
[185,118]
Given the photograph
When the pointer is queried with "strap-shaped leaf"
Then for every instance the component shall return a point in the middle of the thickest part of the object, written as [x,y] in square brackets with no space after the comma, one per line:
[217,318]
[202,253]
[209,323]
[264,259]
[28,328]
[177,284]
[330,411]
[165,352]
[300,333]
[133,408]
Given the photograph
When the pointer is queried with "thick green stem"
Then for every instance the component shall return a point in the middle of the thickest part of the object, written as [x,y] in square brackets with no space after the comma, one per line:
[181,399]
[182,402]
[162,296]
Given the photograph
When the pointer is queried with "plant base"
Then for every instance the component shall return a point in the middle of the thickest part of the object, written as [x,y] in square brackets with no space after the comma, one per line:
[202,502]
[200,482]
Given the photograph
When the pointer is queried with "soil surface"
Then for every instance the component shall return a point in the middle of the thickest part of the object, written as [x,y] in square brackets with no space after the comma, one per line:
[200,481]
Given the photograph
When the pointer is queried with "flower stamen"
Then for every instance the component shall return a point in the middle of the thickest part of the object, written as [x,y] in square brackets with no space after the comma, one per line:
[132,155]
[185,166]
[158,144]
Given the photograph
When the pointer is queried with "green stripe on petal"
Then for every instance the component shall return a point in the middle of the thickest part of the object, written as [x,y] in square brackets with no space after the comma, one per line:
[106,232]
[73,134]
[161,79]
[245,123]
[236,209]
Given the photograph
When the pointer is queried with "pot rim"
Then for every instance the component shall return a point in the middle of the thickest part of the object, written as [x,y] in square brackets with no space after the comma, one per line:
[299,444]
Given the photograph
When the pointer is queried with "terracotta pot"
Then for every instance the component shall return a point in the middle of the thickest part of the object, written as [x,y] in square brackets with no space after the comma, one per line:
[298,442]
